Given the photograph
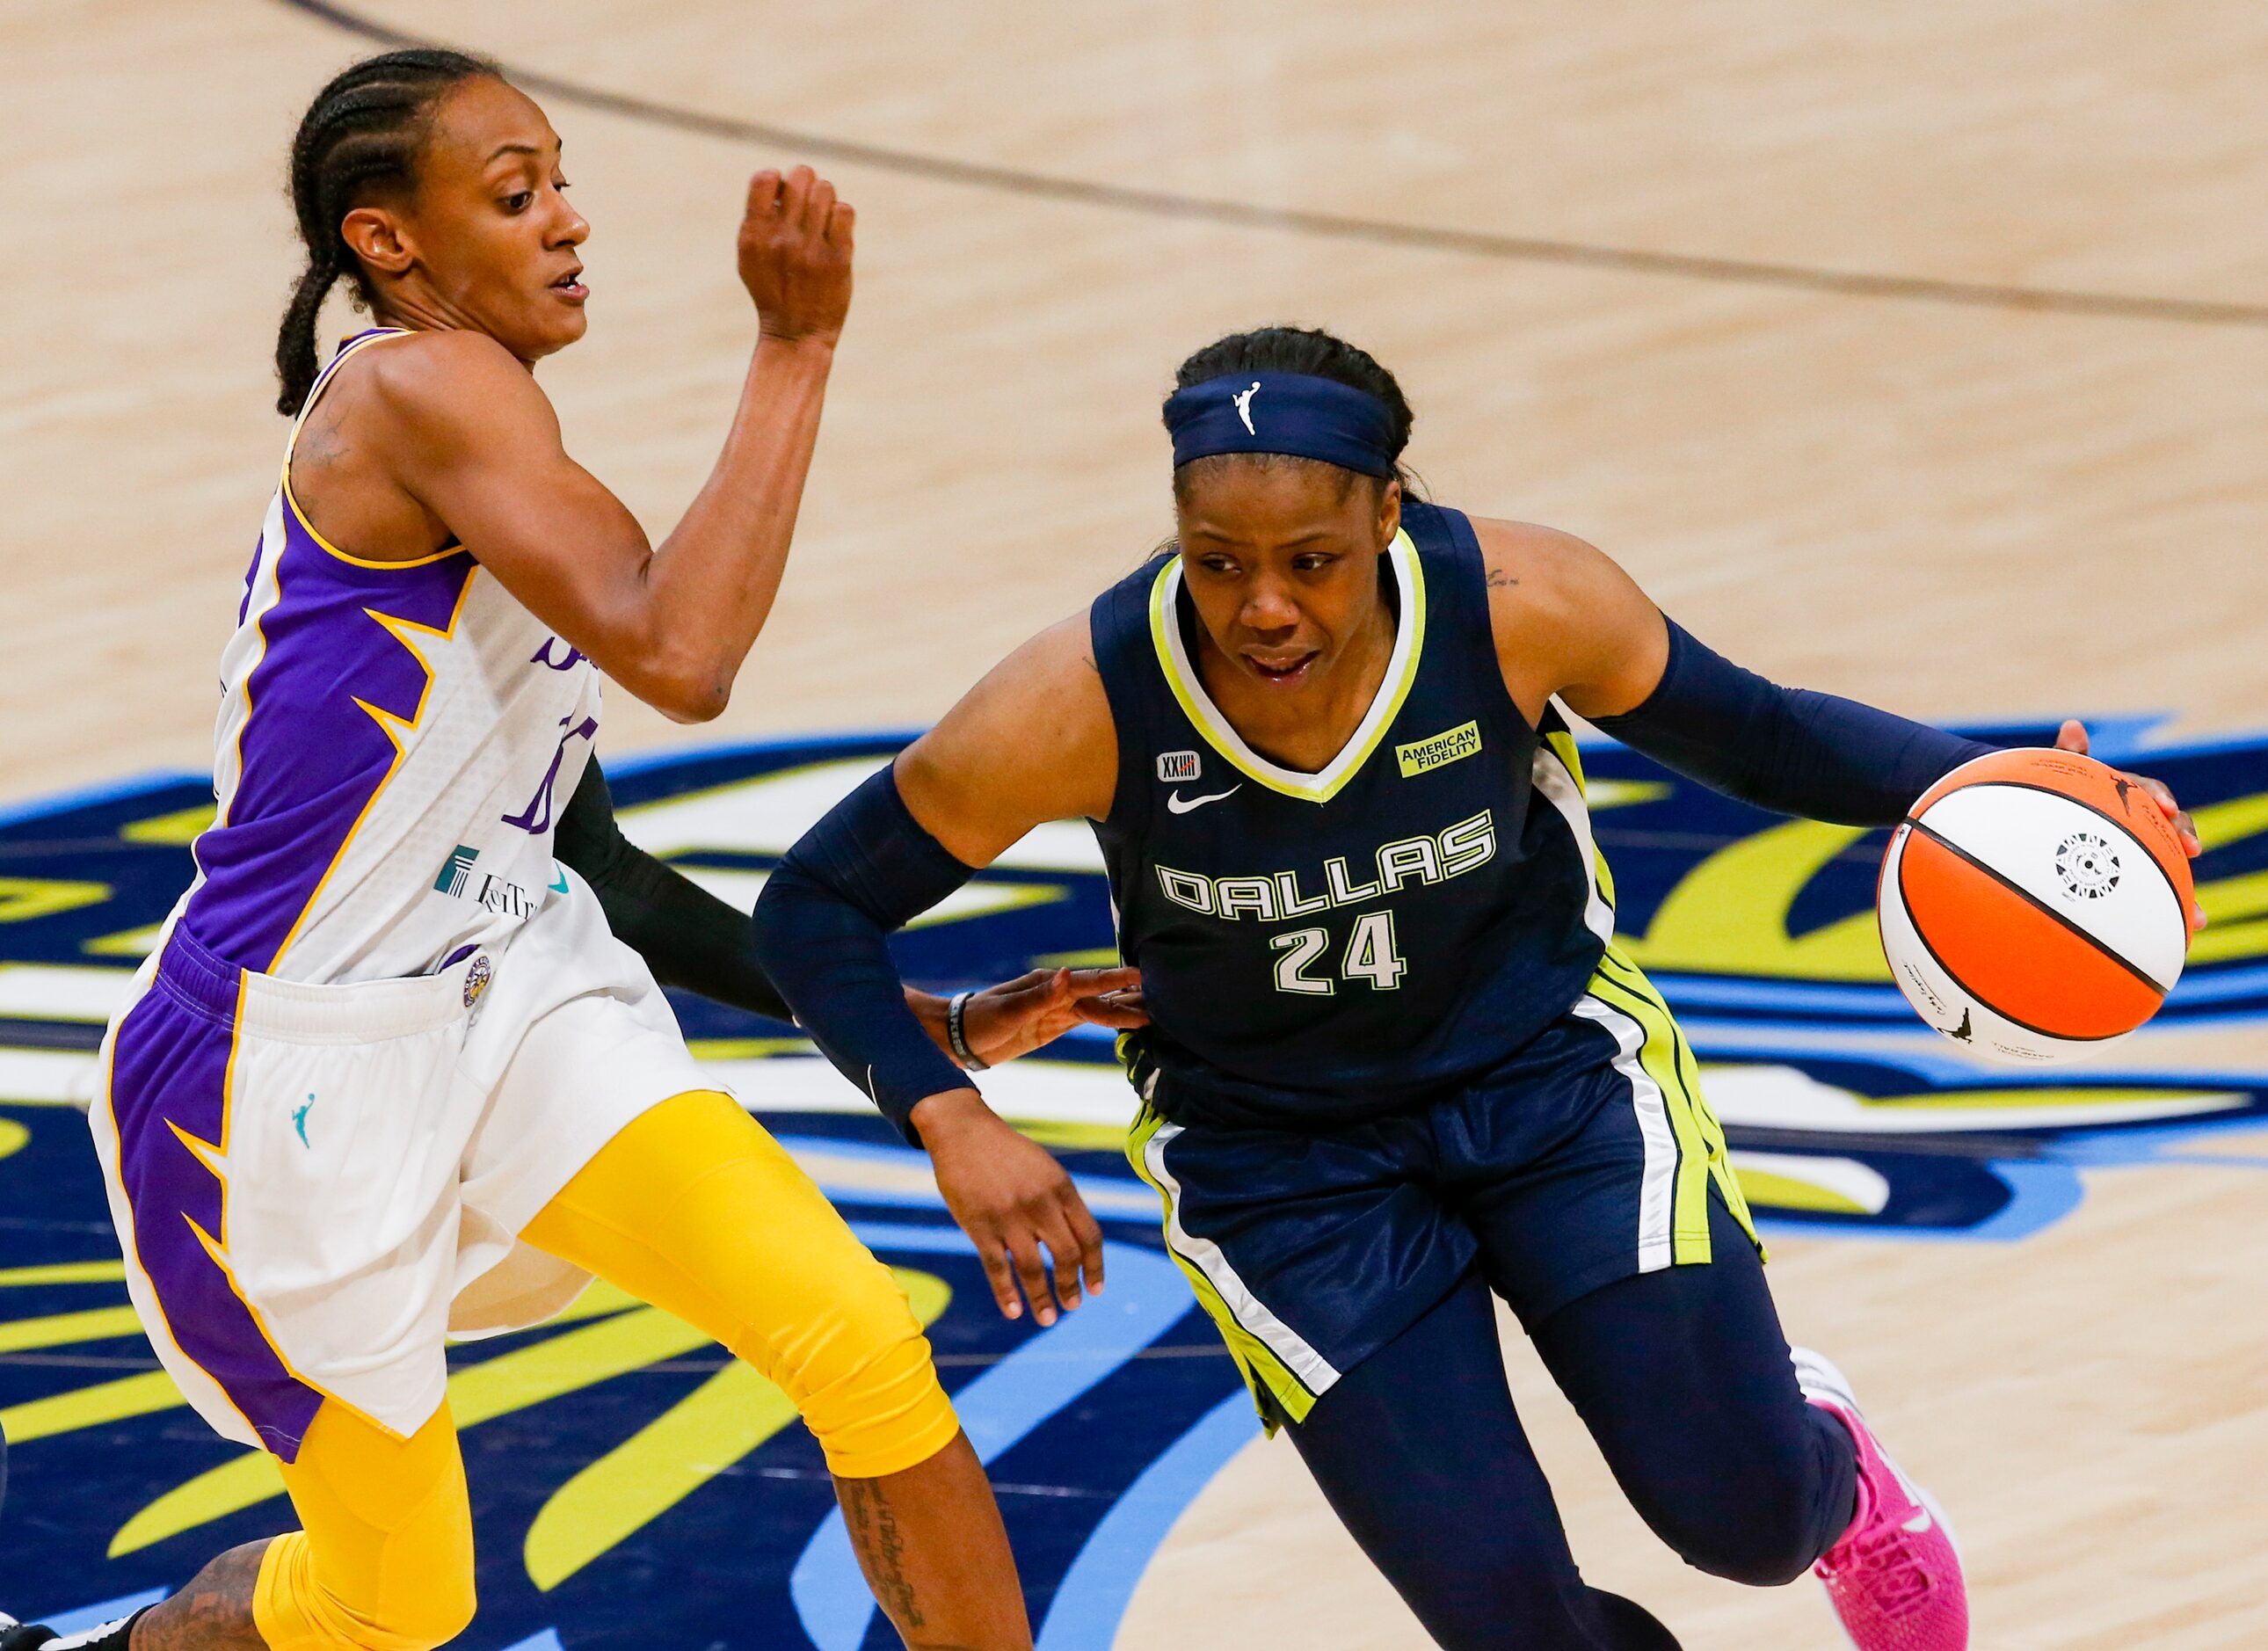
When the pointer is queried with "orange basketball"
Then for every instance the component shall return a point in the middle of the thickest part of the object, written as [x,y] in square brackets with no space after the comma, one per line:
[2034,906]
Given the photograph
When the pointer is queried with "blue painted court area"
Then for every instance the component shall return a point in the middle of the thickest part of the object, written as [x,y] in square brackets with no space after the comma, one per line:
[1099,1432]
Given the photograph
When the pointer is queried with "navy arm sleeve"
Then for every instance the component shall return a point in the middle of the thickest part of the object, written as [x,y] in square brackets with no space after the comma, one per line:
[823,926]
[689,938]
[1786,750]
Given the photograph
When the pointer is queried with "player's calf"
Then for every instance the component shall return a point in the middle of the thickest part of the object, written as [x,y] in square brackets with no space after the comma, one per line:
[213,1613]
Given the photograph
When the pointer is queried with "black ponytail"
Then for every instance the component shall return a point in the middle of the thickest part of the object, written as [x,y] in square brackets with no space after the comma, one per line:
[295,342]
[359,140]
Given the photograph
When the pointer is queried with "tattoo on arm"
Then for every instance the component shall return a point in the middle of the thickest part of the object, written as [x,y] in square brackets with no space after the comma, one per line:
[320,444]
[213,1613]
[873,1527]
[1498,579]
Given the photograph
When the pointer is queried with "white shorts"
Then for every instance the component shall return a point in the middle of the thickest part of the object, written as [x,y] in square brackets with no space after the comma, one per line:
[315,1185]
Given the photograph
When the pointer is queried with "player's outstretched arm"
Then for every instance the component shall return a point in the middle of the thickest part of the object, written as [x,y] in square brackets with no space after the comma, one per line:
[1572,624]
[689,938]
[693,941]
[1032,742]
[478,446]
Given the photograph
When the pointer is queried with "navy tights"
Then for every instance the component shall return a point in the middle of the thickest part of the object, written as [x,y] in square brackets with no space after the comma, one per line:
[1682,1377]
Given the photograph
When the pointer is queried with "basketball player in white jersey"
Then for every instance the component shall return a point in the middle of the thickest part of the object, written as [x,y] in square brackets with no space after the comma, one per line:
[387,1074]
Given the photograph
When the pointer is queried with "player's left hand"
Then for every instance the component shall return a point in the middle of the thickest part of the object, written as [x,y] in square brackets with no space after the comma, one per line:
[1016,1201]
[1020,1016]
[2072,737]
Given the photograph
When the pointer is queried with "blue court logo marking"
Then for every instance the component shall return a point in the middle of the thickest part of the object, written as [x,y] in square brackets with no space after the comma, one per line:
[615,1446]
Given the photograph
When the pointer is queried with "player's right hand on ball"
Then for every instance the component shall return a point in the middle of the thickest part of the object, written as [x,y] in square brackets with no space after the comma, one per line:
[1015,1202]
[795,255]
[2072,737]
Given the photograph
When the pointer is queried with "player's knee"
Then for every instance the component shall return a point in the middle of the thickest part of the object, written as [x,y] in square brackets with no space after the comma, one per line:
[883,1414]
[1762,1543]
[440,1611]
[865,1382]
[297,1612]
[426,1616]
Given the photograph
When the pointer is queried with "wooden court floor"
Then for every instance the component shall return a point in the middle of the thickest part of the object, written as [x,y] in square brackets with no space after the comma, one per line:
[2012,470]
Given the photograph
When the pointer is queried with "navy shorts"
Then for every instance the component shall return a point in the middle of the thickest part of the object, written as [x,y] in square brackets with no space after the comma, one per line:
[1587,1157]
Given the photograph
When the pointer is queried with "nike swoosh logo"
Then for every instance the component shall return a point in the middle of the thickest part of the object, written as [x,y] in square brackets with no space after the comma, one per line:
[1920,1523]
[559,887]
[1178,804]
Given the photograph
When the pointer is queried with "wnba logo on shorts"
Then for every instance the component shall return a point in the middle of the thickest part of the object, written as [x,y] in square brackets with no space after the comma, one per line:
[1176,766]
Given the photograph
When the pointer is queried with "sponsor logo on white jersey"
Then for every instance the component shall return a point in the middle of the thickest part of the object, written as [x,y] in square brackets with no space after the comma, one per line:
[496,894]
[457,870]
[509,898]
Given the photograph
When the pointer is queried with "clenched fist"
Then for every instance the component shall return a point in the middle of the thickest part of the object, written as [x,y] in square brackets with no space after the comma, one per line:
[795,255]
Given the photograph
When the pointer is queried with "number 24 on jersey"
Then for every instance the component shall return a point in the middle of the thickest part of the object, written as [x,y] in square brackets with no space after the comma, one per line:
[1370,955]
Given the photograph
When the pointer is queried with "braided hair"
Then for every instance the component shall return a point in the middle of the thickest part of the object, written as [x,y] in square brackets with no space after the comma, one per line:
[359,139]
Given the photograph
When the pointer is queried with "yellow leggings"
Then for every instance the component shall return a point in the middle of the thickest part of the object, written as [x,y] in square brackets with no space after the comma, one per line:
[695,1209]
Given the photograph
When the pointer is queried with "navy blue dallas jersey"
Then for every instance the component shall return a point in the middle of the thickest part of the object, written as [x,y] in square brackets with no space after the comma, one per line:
[1320,948]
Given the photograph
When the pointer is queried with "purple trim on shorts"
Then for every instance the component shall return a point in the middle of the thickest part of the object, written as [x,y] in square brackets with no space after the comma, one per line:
[170,1066]
[314,760]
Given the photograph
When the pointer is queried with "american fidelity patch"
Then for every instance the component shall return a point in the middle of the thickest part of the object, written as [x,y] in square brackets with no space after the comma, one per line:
[1443,749]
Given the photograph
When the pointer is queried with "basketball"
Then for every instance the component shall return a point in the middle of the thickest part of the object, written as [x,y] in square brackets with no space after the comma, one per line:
[1133,640]
[2034,906]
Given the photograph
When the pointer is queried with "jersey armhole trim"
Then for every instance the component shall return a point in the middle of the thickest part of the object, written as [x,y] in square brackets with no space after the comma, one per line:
[353,347]
[1127,736]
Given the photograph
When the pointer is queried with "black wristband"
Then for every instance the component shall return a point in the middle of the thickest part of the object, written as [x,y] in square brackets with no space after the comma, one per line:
[956,1033]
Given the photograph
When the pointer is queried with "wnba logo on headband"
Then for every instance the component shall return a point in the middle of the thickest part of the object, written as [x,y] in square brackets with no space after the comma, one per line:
[1308,417]
[1243,401]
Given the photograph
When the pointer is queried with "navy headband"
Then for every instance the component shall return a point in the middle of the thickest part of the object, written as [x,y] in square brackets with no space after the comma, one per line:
[1290,413]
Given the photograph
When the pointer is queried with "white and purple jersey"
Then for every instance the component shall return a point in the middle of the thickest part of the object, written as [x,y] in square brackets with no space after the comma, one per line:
[384,1027]
[393,740]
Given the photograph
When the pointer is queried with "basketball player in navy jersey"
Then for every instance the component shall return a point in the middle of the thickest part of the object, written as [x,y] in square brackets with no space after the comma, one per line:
[1396,1060]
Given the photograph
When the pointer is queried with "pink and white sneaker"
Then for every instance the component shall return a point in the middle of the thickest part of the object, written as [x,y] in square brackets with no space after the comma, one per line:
[1894,1578]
